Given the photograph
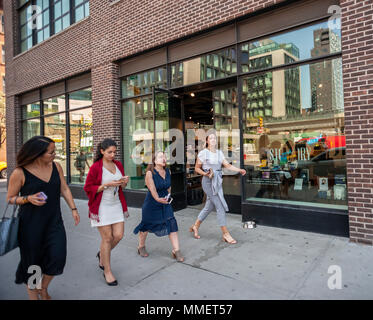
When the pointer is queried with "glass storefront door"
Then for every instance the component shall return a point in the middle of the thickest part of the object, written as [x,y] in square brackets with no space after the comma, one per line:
[168,125]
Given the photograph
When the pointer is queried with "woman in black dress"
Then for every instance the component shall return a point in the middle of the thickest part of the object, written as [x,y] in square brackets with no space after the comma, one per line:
[41,234]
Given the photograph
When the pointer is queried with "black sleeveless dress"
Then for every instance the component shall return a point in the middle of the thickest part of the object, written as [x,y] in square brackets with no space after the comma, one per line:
[41,234]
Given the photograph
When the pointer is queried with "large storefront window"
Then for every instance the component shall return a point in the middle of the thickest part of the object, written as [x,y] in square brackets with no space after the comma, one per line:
[30,128]
[305,43]
[81,144]
[138,128]
[142,83]
[54,105]
[284,98]
[211,66]
[31,120]
[294,143]
[67,115]
[55,128]
[226,123]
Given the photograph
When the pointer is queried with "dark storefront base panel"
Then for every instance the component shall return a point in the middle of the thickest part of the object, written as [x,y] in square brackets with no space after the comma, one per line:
[311,220]
[78,192]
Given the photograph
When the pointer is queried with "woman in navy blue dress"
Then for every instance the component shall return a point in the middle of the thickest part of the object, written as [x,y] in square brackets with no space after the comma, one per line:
[157,214]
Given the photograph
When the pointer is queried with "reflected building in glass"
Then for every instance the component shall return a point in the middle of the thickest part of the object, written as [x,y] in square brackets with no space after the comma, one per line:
[326,80]
[271,94]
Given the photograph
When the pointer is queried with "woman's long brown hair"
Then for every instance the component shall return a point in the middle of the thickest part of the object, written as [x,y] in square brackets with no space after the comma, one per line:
[32,149]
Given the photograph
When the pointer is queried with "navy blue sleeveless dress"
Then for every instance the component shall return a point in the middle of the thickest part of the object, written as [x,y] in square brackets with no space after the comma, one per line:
[41,233]
[158,218]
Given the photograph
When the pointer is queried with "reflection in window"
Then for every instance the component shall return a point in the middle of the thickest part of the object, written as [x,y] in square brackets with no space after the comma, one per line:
[294,142]
[305,43]
[137,115]
[216,65]
[42,20]
[56,104]
[81,9]
[142,83]
[81,98]
[49,17]
[226,118]
[30,128]
[31,110]
[25,24]
[81,144]
[61,15]
[55,128]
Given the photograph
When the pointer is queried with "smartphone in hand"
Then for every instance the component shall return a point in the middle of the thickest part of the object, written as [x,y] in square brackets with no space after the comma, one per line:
[168,198]
[43,196]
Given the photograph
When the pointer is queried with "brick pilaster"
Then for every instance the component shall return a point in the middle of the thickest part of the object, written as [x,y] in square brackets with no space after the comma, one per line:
[357,48]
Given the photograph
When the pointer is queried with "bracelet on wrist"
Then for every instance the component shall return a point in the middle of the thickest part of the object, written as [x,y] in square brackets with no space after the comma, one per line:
[25,200]
[74,209]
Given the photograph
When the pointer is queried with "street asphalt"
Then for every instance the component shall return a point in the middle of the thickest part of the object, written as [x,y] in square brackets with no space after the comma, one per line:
[266,263]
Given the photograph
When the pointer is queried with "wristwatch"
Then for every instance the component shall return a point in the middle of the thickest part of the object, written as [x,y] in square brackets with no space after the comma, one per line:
[105,187]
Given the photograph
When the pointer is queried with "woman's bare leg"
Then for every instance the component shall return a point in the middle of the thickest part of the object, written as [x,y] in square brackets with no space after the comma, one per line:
[105,250]
[46,280]
[118,232]
[33,294]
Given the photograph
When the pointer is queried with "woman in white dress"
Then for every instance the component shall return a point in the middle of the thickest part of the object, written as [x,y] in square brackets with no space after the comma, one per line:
[209,163]
[107,205]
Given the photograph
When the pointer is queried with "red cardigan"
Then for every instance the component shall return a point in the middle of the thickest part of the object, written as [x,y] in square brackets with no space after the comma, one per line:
[93,182]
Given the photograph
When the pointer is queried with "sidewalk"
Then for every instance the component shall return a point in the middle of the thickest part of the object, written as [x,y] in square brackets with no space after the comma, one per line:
[267,263]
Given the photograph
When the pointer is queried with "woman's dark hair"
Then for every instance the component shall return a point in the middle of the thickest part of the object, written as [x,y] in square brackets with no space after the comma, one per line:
[107,143]
[151,166]
[32,149]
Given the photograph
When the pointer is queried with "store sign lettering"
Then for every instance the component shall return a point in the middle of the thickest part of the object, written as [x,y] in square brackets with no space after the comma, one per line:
[303,154]
[276,154]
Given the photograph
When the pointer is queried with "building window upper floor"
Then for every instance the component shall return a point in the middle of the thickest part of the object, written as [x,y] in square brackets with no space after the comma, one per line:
[40,19]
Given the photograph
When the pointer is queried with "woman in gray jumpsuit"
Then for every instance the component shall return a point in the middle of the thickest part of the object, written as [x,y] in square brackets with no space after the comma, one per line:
[209,164]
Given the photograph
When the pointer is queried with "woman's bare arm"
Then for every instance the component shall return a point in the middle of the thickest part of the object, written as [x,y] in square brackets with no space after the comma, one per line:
[151,186]
[16,181]
[227,165]
[198,168]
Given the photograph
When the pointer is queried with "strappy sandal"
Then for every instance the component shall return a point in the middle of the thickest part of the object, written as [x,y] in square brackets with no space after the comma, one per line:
[230,240]
[142,252]
[178,256]
[194,230]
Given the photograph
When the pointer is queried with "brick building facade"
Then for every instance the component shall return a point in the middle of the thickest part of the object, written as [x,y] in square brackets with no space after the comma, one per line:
[116,31]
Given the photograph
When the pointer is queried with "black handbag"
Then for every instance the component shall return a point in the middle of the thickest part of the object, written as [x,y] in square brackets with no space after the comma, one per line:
[9,231]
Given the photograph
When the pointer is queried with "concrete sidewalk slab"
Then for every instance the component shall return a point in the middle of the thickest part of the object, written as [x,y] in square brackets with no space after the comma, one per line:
[266,263]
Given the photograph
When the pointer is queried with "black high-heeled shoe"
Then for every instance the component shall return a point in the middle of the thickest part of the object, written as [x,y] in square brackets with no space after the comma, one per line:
[112,284]
[98,257]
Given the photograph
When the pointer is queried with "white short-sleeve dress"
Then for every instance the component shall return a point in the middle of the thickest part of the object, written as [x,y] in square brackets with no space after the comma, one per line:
[111,210]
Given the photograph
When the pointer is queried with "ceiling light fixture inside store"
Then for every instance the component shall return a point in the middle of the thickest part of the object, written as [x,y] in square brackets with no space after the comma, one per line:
[192,94]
